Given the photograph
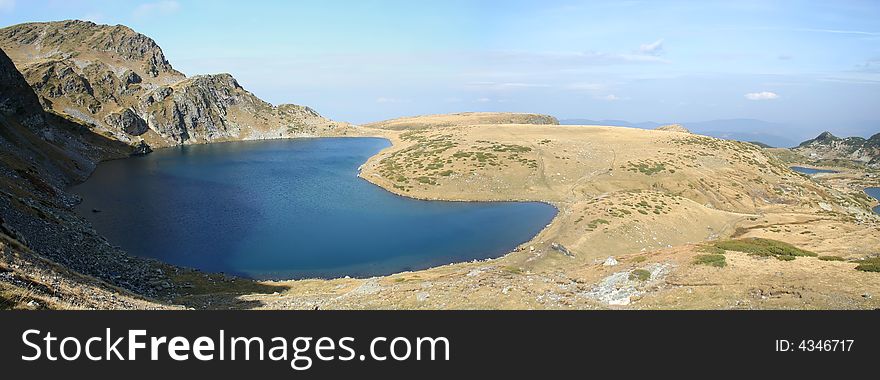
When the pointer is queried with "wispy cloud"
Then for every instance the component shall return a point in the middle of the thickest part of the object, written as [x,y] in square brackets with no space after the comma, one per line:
[7,5]
[838,31]
[654,48]
[163,7]
[504,85]
[763,95]
[870,66]
[609,97]
[647,53]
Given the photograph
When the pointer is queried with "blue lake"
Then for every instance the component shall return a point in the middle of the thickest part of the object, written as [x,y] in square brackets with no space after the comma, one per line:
[811,171]
[874,192]
[290,209]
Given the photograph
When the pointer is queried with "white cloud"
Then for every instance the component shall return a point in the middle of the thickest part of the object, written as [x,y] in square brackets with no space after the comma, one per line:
[156,8]
[763,95]
[7,5]
[654,48]
[483,100]
[609,97]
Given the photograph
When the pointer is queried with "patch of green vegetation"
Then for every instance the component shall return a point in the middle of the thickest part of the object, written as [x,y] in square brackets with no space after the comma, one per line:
[869,265]
[711,259]
[426,180]
[831,258]
[646,167]
[595,224]
[763,247]
[638,259]
[510,148]
[639,275]
[710,249]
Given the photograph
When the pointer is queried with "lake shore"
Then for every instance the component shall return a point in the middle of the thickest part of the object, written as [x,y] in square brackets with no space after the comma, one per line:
[629,194]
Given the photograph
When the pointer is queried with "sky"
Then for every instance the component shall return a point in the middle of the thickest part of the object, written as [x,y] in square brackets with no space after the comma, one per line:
[812,65]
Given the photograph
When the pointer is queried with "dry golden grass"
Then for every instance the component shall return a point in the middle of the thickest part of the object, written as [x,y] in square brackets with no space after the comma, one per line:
[644,197]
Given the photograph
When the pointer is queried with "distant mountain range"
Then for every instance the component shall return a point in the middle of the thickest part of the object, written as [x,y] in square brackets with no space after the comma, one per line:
[731,129]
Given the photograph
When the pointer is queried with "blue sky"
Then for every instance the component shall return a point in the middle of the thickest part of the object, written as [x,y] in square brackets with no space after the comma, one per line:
[813,65]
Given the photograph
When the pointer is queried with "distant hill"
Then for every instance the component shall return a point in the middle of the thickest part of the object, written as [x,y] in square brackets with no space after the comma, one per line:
[463,118]
[827,146]
[673,128]
[728,129]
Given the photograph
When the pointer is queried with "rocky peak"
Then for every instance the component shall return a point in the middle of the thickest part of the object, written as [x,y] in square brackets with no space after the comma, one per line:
[828,146]
[826,136]
[118,82]
[84,40]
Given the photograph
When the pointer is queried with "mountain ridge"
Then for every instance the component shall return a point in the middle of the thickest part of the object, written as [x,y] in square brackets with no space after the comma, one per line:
[119,83]
[827,146]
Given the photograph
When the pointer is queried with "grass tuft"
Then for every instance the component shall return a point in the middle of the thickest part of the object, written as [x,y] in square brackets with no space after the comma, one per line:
[831,258]
[763,247]
[711,259]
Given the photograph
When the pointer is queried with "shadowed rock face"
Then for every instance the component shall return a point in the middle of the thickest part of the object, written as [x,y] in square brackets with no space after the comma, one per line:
[128,121]
[17,98]
[40,155]
[119,82]
[828,146]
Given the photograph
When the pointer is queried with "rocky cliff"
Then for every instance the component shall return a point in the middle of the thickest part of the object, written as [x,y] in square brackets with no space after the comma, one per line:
[41,153]
[119,83]
[826,146]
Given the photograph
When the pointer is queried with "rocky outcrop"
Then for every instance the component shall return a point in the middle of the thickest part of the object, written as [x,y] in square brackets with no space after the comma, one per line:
[119,82]
[128,121]
[826,146]
[73,39]
[673,128]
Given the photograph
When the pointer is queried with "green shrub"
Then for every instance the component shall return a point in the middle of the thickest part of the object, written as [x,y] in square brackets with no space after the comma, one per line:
[710,249]
[831,258]
[639,275]
[762,247]
[869,265]
[711,259]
